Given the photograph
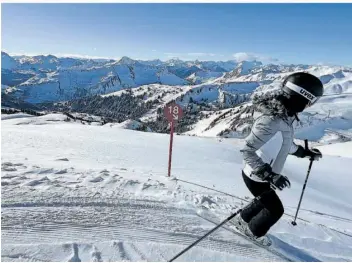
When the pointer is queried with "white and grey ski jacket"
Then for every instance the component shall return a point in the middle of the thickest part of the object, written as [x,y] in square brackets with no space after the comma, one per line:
[270,141]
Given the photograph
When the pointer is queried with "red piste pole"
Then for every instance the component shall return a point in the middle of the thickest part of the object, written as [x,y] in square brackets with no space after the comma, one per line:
[170,148]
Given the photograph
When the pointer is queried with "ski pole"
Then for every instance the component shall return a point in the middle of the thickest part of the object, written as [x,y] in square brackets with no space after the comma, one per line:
[304,185]
[207,234]
[217,227]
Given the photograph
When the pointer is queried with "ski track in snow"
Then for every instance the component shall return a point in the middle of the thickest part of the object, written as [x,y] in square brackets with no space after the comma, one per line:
[39,219]
[56,207]
[94,220]
[134,223]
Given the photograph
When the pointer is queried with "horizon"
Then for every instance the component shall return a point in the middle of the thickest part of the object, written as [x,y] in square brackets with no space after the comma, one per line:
[16,55]
[270,33]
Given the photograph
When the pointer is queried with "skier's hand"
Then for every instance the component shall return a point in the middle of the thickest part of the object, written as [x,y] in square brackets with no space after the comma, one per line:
[263,171]
[276,180]
[315,154]
[279,181]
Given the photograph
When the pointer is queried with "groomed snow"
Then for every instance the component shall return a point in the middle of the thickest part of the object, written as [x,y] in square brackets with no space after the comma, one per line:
[95,193]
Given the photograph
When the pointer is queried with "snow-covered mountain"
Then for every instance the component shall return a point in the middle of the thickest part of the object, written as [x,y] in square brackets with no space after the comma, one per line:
[46,78]
[44,63]
[154,62]
[330,113]
[12,78]
[243,68]
[8,62]
[222,107]
[49,63]
[79,81]
[199,71]
[214,66]
[203,76]
[216,101]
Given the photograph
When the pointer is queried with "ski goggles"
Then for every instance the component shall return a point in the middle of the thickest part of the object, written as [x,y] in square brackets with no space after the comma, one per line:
[303,92]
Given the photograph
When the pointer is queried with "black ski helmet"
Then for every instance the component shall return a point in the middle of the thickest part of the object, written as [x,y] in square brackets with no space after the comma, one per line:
[301,90]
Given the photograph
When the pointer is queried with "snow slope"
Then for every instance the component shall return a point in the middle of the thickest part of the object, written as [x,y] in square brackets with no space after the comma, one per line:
[131,125]
[94,193]
[203,76]
[331,112]
[338,149]
[15,116]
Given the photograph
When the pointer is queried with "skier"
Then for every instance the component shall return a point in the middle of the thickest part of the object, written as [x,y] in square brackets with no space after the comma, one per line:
[266,150]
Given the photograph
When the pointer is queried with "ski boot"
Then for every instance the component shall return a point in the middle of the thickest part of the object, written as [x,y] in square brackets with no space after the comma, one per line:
[239,223]
[242,227]
[263,240]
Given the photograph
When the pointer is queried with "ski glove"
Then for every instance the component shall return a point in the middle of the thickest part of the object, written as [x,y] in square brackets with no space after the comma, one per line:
[315,154]
[279,181]
[264,171]
[276,180]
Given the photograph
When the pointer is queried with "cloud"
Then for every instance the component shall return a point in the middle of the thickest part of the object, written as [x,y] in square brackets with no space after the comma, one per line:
[244,56]
[154,50]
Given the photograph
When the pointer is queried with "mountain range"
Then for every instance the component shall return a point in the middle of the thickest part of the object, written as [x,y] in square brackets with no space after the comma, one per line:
[215,95]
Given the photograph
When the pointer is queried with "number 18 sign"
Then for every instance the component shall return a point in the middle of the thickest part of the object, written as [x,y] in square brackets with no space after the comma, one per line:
[172,113]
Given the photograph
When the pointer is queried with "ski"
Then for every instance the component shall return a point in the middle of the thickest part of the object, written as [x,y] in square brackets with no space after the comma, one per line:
[210,217]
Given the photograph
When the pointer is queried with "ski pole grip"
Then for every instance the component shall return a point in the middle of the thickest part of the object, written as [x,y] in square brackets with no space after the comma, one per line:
[306,144]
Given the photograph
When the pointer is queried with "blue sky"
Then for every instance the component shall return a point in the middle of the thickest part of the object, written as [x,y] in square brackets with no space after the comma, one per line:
[291,33]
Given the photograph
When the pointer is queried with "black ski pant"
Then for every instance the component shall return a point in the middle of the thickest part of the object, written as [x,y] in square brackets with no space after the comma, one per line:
[264,213]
